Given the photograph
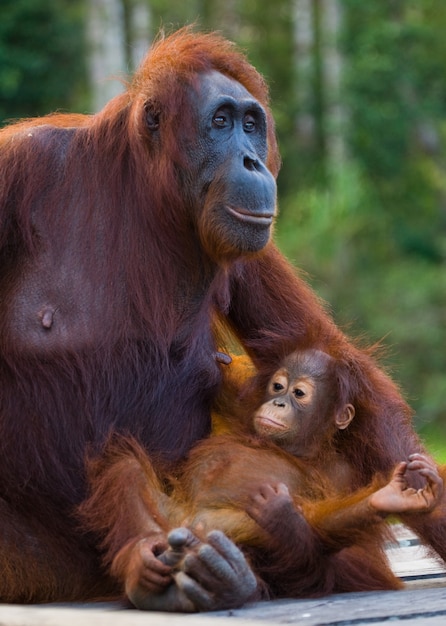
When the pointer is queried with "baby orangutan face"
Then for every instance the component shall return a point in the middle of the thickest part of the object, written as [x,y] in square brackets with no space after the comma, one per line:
[300,402]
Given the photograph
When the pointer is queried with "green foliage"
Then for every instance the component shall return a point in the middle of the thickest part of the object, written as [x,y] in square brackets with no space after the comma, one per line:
[41,56]
[339,236]
[372,236]
[396,97]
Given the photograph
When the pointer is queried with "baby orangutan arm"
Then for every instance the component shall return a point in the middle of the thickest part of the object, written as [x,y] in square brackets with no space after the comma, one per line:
[341,522]
[336,523]
[121,480]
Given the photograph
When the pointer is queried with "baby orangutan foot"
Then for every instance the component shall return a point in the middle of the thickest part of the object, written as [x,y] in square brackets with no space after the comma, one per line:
[168,597]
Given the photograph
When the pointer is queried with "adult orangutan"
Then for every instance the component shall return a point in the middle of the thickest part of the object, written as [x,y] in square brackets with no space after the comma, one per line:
[277,487]
[123,237]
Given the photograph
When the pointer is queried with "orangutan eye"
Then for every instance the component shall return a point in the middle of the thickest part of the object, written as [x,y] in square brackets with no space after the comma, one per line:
[249,123]
[299,393]
[221,119]
[277,387]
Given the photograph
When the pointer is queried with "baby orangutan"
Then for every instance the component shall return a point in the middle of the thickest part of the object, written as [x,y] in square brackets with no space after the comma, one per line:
[278,489]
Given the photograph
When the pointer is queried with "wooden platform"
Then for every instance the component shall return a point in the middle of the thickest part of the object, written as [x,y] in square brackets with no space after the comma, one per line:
[413,563]
[421,603]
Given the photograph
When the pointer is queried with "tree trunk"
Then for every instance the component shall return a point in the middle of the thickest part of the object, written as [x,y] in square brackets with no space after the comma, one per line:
[304,50]
[334,111]
[138,20]
[107,59]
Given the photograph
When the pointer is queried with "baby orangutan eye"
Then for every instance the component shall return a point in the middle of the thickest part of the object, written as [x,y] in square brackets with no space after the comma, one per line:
[277,387]
[299,393]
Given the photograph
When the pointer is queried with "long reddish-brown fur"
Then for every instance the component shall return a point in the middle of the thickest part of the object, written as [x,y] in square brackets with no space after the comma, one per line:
[92,208]
[337,546]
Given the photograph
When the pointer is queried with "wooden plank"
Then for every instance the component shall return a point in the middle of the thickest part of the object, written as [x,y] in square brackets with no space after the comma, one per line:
[421,607]
[421,603]
[413,562]
[352,608]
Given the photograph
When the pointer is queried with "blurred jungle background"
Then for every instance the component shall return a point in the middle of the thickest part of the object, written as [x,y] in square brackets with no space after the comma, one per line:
[359,95]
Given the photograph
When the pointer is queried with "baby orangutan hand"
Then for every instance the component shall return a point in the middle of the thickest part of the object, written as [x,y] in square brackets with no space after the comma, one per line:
[398,497]
[272,507]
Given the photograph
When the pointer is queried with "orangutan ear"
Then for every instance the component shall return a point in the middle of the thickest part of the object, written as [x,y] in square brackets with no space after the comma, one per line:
[344,417]
[152,116]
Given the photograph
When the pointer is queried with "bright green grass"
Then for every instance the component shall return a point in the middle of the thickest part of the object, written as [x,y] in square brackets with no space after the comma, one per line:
[436,443]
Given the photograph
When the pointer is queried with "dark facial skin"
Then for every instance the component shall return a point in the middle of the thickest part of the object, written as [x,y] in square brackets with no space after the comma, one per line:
[235,191]
[299,401]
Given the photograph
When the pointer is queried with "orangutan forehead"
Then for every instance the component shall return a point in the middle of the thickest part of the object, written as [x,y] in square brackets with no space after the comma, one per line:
[214,82]
[314,363]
